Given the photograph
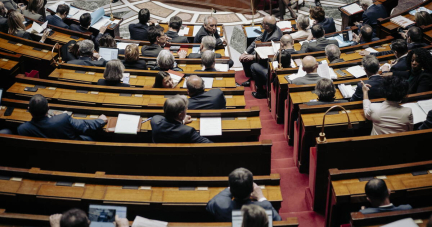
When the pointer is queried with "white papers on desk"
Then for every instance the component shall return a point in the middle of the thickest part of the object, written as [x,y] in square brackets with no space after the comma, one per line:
[126,78]
[372,50]
[323,70]
[36,28]
[127,124]
[418,114]
[221,67]
[332,73]
[108,53]
[183,31]
[208,82]
[346,90]
[284,25]
[301,42]
[300,73]
[196,29]
[144,222]
[210,126]
[196,49]
[103,21]
[407,222]
[264,52]
[357,71]
[123,46]
[426,105]
[353,8]
[385,64]
[276,46]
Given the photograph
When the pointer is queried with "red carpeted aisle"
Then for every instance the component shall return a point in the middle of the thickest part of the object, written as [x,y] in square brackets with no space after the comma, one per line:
[293,183]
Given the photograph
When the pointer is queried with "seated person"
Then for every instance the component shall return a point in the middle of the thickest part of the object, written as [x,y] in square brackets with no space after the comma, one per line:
[209,29]
[389,117]
[61,126]
[17,28]
[427,124]
[113,74]
[400,50]
[371,67]
[3,19]
[172,128]
[303,30]
[11,5]
[87,54]
[371,14]
[208,60]
[157,40]
[213,99]
[33,9]
[107,41]
[379,196]
[325,90]
[423,18]
[333,54]
[132,60]
[208,43]
[365,36]
[241,189]
[174,25]
[140,31]
[254,216]
[57,19]
[317,13]
[78,218]
[165,61]
[310,66]
[69,51]
[320,43]
[84,26]
[163,80]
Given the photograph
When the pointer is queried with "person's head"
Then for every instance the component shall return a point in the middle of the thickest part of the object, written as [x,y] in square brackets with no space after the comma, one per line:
[302,22]
[143,16]
[107,41]
[286,59]
[85,20]
[269,23]
[86,48]
[74,49]
[394,88]
[165,60]
[175,23]
[131,53]
[195,85]
[35,5]
[254,216]
[241,183]
[325,90]
[210,24]
[38,106]
[74,218]
[366,33]
[156,35]
[377,192]
[317,13]
[399,47]
[423,18]
[286,42]
[419,59]
[175,108]
[62,10]
[370,64]
[15,22]
[208,43]
[414,35]
[208,59]
[317,31]
[3,10]
[163,80]
[309,64]
[332,52]
[114,70]
[365,4]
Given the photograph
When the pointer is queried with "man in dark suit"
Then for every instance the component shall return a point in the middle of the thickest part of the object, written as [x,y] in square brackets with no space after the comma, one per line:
[209,29]
[86,51]
[61,14]
[310,66]
[241,189]
[208,43]
[371,66]
[333,54]
[208,60]
[61,126]
[3,19]
[379,196]
[271,33]
[365,36]
[174,25]
[140,31]
[85,21]
[319,44]
[157,39]
[400,50]
[371,14]
[427,124]
[213,99]
[172,128]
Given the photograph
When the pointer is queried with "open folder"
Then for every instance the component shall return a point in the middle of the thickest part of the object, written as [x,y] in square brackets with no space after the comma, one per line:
[38,29]
[419,109]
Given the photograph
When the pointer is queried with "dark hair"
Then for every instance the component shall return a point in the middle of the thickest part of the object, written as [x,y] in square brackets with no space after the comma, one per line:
[159,79]
[254,216]
[241,183]
[74,218]
[394,88]
[325,90]
[107,41]
[35,5]
[286,59]
[317,31]
[416,34]
[400,46]
[424,57]
[376,190]
[423,18]
[74,49]
[366,32]
[62,9]
[38,106]
[144,16]
[317,13]
[85,20]
[175,22]
[154,32]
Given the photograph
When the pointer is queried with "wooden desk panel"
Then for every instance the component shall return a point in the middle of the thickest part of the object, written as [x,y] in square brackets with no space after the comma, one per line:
[25,50]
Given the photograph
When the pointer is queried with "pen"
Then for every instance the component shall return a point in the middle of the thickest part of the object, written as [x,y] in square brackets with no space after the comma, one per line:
[148,119]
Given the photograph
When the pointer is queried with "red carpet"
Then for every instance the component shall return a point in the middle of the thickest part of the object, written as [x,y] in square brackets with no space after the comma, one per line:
[293,183]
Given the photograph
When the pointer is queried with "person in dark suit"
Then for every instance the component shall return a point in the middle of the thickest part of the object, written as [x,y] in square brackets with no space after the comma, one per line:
[60,126]
[325,90]
[320,43]
[86,51]
[310,66]
[174,25]
[365,36]
[427,124]
[317,13]
[140,31]
[69,51]
[3,19]
[17,27]
[213,99]
[85,21]
[208,43]
[157,39]
[61,14]
[271,33]
[208,60]
[165,61]
[371,14]
[172,128]
[241,189]
[333,54]
[33,9]
[379,196]
[371,66]
[132,60]
[400,50]
[209,29]
[113,74]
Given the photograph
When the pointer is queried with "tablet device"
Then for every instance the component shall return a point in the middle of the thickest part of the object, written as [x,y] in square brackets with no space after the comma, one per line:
[108,53]
[104,215]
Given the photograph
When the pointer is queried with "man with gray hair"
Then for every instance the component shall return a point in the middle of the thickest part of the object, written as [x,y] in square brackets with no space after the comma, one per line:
[208,61]
[371,14]
[371,66]
[333,54]
[172,128]
[87,54]
[165,61]
[213,99]
[209,29]
[208,43]
[310,66]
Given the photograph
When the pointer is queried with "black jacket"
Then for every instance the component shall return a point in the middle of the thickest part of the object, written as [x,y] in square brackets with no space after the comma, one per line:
[56,21]
[202,32]
[95,39]
[138,31]
[328,24]
[88,61]
[371,15]
[175,38]
[275,35]
[65,54]
[428,122]
[213,99]
[23,34]
[401,65]
[375,90]
[151,51]
[318,45]
[140,64]
[4,27]
[109,83]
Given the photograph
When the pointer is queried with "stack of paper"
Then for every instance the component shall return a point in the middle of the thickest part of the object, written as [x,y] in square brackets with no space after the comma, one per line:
[402,21]
[127,124]
[184,31]
[222,67]
[372,50]
[346,90]
[144,222]
[357,71]
[353,8]
[284,25]
[210,126]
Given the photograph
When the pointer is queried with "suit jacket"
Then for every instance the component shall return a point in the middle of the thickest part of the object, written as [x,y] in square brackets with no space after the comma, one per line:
[88,61]
[319,45]
[65,54]
[310,78]
[60,126]
[213,99]
[140,64]
[175,38]
[375,91]
[401,65]
[10,4]
[202,32]
[371,210]
[151,51]
[337,61]
[328,24]
[56,21]
[428,123]
[275,35]
[33,16]
[222,205]
[4,27]
[138,31]
[166,131]
[371,15]
[23,34]
[95,39]
[109,83]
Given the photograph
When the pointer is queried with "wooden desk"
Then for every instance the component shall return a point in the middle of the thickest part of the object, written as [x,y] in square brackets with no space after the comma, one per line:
[10,66]
[420,216]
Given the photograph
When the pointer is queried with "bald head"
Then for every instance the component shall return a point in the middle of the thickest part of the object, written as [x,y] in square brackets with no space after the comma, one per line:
[286,42]
[269,23]
[195,85]
[309,64]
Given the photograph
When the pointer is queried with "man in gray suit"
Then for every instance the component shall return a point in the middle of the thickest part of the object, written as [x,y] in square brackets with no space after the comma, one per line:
[320,43]
[310,66]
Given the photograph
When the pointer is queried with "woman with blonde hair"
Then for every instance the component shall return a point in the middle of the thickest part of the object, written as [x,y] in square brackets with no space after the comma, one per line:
[17,27]
[132,60]
[254,216]
[113,74]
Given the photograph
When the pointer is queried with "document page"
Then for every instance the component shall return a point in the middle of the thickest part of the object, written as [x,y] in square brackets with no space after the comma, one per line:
[372,50]
[357,71]
[97,15]
[184,31]
[196,29]
[222,67]
[264,52]
[210,126]
[418,114]
[407,222]
[425,105]
[108,53]
[144,222]
[126,78]
[323,70]
[127,124]
[353,8]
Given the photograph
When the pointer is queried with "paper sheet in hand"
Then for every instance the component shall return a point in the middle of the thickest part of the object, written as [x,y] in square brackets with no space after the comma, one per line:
[183,31]
[38,28]
[372,50]
[210,126]
[418,114]
[323,70]
[123,46]
[357,71]
[127,124]
[144,222]
[407,222]
[108,53]
[221,67]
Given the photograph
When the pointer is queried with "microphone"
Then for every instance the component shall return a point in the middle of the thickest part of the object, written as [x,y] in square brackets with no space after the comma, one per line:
[322,137]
